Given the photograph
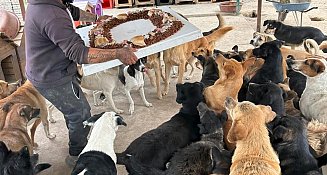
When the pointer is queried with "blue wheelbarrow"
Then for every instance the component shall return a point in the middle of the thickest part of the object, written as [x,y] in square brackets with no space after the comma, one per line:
[284,8]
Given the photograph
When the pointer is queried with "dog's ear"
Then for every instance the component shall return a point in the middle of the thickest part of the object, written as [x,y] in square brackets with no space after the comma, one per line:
[41,167]
[235,48]
[24,153]
[269,113]
[93,119]
[237,132]
[265,22]
[279,132]
[318,67]
[7,106]
[248,62]
[120,120]
[230,103]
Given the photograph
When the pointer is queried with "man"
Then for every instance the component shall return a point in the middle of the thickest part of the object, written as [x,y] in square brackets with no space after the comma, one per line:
[52,51]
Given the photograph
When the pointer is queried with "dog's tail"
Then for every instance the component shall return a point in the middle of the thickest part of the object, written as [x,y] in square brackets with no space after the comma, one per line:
[311,46]
[134,167]
[221,24]
[217,34]
[322,160]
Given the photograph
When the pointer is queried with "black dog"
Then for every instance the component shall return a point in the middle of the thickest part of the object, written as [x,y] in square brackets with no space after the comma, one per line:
[210,73]
[155,147]
[297,80]
[267,94]
[294,35]
[206,156]
[14,163]
[131,70]
[290,141]
[272,69]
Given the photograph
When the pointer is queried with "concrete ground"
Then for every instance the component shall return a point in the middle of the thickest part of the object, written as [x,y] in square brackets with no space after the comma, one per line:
[144,119]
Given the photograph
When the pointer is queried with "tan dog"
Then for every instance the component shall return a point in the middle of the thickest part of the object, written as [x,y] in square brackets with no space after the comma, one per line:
[27,94]
[153,62]
[6,89]
[230,81]
[14,133]
[182,54]
[254,154]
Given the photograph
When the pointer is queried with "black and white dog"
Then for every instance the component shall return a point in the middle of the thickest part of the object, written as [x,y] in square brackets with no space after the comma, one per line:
[98,156]
[294,35]
[14,163]
[132,78]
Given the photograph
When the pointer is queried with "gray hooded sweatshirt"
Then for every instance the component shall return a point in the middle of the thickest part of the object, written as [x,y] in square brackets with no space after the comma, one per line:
[52,46]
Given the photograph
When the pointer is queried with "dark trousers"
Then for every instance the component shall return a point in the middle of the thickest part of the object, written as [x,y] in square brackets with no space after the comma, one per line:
[70,100]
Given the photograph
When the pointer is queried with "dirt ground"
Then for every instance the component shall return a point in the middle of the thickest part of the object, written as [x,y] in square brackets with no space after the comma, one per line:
[201,15]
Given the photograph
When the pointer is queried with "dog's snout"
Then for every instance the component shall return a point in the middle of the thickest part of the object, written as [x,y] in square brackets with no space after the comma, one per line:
[193,53]
[289,62]
[251,42]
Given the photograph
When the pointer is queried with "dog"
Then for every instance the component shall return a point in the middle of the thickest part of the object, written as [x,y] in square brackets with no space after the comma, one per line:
[206,156]
[155,147]
[132,78]
[14,132]
[291,144]
[260,38]
[272,69]
[230,80]
[269,94]
[129,77]
[98,156]
[314,98]
[153,62]
[182,54]
[210,73]
[254,153]
[20,162]
[27,94]
[7,89]
[294,35]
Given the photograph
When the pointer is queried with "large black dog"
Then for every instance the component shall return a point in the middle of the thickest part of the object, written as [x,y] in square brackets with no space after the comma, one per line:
[272,69]
[206,156]
[290,141]
[267,94]
[156,147]
[294,35]
[14,163]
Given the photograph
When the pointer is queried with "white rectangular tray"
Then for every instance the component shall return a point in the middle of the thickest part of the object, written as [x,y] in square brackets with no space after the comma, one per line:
[187,33]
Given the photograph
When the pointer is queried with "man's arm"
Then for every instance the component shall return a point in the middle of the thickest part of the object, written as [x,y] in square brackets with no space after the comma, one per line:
[87,16]
[125,55]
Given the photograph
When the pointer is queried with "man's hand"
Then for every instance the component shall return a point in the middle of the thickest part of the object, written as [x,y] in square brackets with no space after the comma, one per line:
[126,55]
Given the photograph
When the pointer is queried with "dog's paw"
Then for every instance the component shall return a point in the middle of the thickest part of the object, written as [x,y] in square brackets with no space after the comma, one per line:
[35,146]
[131,109]
[148,105]
[51,136]
[164,93]
[119,111]
[51,120]
[159,96]
[188,77]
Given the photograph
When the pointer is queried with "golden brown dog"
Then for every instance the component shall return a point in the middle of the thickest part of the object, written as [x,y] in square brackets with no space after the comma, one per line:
[182,54]
[14,133]
[27,94]
[230,80]
[7,88]
[254,153]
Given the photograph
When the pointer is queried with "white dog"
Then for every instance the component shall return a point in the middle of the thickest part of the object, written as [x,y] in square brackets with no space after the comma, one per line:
[98,156]
[313,102]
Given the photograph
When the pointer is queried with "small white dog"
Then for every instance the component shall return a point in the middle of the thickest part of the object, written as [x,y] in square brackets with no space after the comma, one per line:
[98,156]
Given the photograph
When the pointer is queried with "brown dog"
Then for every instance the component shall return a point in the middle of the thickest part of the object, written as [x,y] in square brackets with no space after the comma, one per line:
[14,133]
[230,80]
[182,54]
[6,89]
[254,153]
[27,94]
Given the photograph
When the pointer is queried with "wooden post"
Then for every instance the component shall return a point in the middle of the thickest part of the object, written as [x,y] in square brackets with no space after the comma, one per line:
[22,8]
[237,7]
[259,15]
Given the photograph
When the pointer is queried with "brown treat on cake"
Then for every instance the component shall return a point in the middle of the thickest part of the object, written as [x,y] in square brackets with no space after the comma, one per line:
[138,40]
